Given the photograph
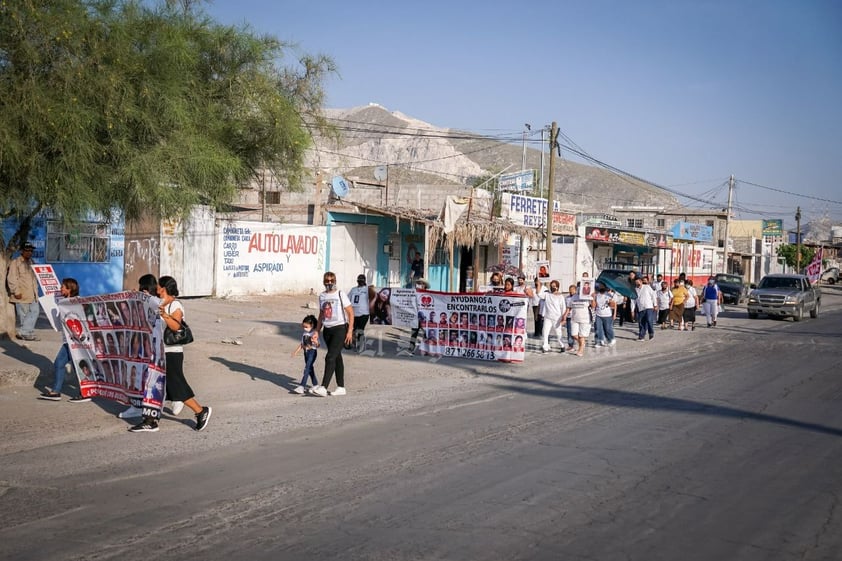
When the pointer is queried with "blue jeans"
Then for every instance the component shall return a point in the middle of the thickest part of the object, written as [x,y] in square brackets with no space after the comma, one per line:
[570,340]
[646,323]
[604,329]
[309,371]
[59,367]
[28,315]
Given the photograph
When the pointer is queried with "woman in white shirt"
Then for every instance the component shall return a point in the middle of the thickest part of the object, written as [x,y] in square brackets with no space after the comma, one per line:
[554,308]
[336,316]
[606,311]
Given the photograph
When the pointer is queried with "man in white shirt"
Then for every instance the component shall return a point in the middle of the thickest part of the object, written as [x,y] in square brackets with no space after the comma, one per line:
[646,304]
[360,302]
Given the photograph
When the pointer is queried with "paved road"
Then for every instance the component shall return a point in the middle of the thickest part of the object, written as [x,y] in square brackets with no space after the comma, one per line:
[722,447]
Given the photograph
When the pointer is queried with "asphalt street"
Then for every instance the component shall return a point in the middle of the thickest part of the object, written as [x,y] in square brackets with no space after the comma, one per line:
[718,444]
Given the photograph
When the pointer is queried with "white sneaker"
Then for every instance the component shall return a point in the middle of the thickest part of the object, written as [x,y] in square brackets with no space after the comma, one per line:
[299,390]
[130,413]
[612,342]
[176,407]
[338,391]
[318,391]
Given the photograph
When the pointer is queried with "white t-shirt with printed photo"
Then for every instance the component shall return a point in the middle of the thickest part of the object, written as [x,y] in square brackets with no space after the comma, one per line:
[332,306]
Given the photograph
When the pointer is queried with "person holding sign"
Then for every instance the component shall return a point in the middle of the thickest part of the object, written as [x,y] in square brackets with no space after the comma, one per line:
[69,289]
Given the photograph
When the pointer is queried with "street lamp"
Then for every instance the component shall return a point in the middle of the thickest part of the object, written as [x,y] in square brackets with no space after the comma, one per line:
[798,240]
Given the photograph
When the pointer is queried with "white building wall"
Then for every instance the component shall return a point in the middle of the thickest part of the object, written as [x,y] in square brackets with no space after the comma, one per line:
[268,258]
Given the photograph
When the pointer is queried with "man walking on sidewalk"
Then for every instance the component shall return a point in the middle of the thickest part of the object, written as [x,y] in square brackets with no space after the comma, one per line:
[23,288]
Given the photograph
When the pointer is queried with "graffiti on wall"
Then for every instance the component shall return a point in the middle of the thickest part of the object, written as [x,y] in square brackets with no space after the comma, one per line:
[142,254]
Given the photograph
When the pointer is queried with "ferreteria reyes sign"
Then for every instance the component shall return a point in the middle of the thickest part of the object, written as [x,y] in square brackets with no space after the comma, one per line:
[532,213]
[269,258]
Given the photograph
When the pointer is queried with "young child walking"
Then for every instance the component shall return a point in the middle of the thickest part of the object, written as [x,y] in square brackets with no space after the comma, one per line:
[309,343]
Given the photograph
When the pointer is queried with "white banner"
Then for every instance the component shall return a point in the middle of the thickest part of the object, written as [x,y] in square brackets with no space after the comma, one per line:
[117,348]
[394,306]
[469,325]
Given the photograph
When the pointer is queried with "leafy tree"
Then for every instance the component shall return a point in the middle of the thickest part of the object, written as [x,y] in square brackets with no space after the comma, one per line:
[119,104]
[789,253]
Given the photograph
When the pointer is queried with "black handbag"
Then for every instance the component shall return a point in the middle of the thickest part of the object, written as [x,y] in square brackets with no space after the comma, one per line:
[181,336]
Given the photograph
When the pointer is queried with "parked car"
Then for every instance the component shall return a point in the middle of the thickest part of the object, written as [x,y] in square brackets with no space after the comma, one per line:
[784,296]
[831,276]
[734,288]
[618,281]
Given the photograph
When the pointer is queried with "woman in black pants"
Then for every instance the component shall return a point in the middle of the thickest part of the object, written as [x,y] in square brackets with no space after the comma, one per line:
[336,316]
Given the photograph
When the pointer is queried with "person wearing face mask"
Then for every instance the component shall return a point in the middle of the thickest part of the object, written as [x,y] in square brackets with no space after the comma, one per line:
[711,300]
[359,296]
[646,305]
[554,306]
[679,295]
[536,300]
[568,322]
[420,284]
[496,282]
[336,320]
[605,312]
[664,304]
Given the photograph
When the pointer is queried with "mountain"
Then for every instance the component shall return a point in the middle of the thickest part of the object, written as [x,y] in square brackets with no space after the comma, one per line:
[418,153]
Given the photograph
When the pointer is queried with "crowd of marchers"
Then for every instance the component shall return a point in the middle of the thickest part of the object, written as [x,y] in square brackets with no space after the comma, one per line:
[592,307]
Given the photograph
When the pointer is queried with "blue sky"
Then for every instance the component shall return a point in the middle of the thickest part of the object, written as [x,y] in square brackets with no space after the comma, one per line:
[682,93]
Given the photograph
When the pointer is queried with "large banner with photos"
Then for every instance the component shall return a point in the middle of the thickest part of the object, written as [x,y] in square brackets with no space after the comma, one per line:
[117,348]
[470,325]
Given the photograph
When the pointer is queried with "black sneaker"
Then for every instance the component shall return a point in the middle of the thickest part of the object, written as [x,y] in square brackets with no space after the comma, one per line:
[79,399]
[149,425]
[50,396]
[202,418]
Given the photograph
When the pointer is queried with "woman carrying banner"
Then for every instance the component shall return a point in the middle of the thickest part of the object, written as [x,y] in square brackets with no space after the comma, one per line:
[69,289]
[172,313]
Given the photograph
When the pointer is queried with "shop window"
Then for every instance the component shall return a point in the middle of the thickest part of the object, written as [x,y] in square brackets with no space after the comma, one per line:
[85,242]
[634,222]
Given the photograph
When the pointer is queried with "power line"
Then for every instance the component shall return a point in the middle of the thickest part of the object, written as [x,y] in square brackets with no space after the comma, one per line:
[790,193]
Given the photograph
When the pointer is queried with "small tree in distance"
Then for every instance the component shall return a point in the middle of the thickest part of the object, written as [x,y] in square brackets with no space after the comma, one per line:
[789,253]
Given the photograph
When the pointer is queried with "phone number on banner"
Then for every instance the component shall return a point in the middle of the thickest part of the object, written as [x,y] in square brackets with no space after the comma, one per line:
[469,353]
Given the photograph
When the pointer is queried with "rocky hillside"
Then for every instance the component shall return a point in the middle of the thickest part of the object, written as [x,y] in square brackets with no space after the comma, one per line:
[420,153]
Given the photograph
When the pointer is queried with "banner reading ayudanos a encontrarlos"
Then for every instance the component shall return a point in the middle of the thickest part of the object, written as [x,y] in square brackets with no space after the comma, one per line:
[470,325]
[117,348]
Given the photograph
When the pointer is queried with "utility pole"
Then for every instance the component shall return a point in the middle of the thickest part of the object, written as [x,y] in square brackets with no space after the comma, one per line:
[728,223]
[550,186]
[798,240]
[543,145]
[523,159]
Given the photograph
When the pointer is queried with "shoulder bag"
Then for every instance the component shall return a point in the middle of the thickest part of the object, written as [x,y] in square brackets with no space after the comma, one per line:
[181,336]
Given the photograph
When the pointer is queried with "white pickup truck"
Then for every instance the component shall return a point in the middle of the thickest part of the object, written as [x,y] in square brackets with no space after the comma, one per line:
[784,296]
